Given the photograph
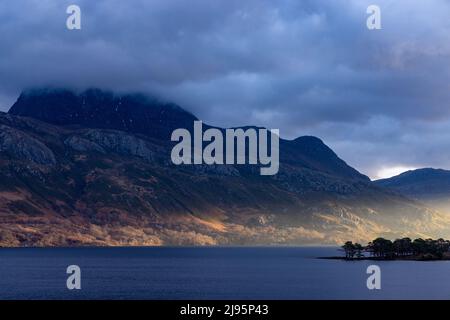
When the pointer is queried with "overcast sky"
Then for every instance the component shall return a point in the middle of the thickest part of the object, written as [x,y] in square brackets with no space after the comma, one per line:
[379,98]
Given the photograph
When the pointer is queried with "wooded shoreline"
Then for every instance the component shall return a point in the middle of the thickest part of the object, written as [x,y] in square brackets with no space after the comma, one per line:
[446,257]
[405,249]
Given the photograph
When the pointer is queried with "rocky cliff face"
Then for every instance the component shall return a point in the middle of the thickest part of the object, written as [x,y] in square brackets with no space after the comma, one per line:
[20,145]
[86,182]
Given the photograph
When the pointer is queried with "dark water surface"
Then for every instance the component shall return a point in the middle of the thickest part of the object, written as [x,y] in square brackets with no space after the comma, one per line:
[212,273]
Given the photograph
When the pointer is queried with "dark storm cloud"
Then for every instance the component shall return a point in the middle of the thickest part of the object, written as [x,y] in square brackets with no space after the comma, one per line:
[379,98]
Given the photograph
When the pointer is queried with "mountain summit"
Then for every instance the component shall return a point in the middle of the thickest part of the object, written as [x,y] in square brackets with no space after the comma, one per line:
[94,108]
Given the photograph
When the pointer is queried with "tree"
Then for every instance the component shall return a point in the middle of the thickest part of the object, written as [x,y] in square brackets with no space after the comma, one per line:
[349,249]
[381,247]
[402,246]
[358,250]
[442,246]
[419,246]
[406,246]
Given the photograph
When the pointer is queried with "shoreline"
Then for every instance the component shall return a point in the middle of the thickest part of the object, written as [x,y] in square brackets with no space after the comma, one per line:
[404,258]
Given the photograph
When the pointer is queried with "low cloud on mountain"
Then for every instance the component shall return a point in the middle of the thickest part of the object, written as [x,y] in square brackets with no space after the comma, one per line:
[379,98]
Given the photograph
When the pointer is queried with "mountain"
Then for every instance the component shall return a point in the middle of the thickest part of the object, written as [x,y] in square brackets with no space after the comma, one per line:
[94,168]
[93,108]
[429,185]
[139,114]
[423,184]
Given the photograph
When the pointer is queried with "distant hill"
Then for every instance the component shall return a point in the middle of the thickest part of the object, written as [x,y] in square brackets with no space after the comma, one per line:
[423,184]
[93,168]
[430,186]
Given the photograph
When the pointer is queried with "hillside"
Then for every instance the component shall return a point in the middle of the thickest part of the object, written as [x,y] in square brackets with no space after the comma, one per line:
[428,185]
[94,169]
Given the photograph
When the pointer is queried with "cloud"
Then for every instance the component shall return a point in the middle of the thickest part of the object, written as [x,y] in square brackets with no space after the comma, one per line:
[305,67]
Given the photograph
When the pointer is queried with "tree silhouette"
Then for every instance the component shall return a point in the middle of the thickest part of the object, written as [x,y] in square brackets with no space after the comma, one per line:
[358,250]
[386,249]
[349,249]
[381,247]
[402,247]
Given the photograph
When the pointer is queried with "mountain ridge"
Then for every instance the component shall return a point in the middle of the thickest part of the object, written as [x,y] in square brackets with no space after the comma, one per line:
[103,110]
[98,109]
[78,184]
[423,184]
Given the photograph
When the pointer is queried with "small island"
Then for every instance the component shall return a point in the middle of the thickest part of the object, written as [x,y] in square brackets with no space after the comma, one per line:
[399,249]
